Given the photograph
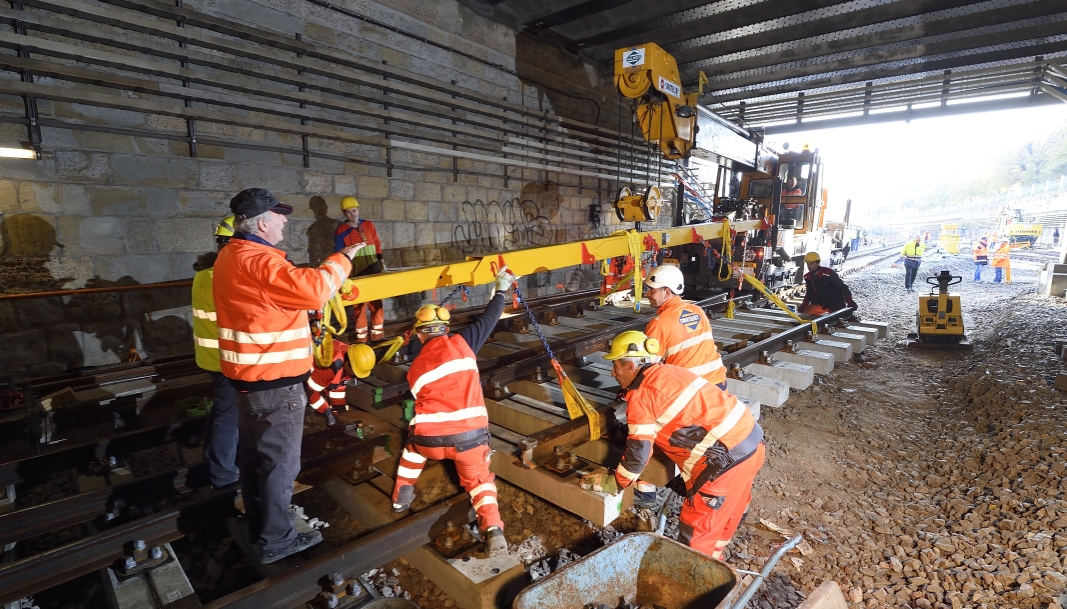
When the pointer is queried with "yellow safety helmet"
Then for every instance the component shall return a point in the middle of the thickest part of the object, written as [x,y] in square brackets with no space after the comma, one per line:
[225,228]
[812,257]
[361,359]
[432,315]
[632,343]
[349,203]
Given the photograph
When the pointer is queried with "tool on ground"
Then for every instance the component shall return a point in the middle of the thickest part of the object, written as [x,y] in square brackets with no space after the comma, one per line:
[661,525]
[939,320]
[750,590]
[576,404]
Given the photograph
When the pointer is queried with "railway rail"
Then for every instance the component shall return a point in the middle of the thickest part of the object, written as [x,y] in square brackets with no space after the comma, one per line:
[537,447]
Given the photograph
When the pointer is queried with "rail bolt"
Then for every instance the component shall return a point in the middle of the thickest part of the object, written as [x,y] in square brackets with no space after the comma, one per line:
[155,553]
[130,564]
[329,599]
[337,579]
[139,544]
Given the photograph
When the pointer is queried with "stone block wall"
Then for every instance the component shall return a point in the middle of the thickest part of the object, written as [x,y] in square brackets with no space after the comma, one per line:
[136,208]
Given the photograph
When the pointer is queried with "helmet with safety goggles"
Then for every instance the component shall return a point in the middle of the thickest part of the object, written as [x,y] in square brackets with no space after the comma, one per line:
[431,316]
[632,343]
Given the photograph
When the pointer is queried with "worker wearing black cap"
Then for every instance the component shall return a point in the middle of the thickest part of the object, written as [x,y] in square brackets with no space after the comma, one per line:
[261,302]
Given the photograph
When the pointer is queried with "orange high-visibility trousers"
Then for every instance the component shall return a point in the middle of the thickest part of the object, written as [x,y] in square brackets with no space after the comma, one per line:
[474,475]
[359,315]
[711,517]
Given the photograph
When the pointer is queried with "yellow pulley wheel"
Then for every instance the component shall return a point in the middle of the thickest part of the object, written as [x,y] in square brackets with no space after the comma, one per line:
[619,204]
[652,203]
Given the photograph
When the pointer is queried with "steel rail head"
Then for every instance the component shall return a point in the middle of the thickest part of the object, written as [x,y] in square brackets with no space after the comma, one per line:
[350,560]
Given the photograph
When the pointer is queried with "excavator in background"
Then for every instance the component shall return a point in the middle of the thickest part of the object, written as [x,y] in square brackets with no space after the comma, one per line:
[773,202]
[1019,233]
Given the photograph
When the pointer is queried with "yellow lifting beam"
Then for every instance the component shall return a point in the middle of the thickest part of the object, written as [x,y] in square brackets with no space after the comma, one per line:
[482,270]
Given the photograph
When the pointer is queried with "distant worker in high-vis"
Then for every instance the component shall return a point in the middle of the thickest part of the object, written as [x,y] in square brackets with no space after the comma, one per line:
[367,261]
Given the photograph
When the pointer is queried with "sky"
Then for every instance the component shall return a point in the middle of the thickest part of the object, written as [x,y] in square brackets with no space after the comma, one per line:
[871,163]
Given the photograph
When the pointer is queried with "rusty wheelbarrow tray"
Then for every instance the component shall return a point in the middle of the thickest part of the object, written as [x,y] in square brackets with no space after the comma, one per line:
[645,569]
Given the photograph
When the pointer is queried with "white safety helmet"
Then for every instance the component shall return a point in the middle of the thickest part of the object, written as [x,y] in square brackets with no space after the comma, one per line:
[667,276]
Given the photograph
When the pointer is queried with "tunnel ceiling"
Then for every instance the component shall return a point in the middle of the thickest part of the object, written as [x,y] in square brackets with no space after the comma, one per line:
[775,49]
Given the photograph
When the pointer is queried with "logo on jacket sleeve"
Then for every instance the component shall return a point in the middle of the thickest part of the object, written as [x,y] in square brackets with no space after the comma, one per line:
[689,319]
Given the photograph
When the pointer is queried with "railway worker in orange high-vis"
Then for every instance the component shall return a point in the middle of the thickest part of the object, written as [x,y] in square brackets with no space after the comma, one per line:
[684,335]
[451,421]
[367,261]
[327,383]
[709,434]
[262,301]
[1002,261]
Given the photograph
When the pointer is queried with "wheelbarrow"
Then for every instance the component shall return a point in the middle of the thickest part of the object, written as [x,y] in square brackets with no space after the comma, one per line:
[646,569]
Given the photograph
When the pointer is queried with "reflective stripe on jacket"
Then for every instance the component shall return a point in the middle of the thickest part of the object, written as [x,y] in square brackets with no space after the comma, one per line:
[981,252]
[685,339]
[448,393]
[684,415]
[1001,256]
[366,232]
[327,384]
[262,301]
[205,330]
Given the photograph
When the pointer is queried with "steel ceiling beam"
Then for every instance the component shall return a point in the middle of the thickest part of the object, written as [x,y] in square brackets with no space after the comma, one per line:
[891,72]
[633,16]
[1004,18]
[1041,99]
[575,13]
[698,21]
[802,75]
[818,27]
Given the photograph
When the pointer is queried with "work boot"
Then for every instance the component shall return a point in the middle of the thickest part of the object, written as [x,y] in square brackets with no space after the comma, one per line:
[404,497]
[302,542]
[377,336]
[495,544]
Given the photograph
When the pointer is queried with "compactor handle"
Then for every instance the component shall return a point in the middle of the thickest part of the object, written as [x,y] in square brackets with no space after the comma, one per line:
[935,280]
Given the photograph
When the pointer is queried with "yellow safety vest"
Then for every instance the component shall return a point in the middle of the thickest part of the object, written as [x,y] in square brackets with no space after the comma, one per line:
[205,329]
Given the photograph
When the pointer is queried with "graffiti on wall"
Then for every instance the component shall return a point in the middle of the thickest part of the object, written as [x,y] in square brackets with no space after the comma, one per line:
[496,226]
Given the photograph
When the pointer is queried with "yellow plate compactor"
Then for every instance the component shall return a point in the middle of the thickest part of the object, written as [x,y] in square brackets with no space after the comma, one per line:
[939,322]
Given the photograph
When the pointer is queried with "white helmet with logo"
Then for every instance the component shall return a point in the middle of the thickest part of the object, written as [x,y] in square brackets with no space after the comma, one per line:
[667,276]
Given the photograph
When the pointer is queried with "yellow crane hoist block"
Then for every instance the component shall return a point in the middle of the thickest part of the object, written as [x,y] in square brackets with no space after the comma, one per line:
[667,115]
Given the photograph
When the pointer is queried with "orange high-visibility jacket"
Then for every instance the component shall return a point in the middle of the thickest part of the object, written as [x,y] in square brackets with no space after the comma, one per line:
[688,418]
[684,335]
[981,252]
[262,301]
[327,384]
[448,394]
[1001,257]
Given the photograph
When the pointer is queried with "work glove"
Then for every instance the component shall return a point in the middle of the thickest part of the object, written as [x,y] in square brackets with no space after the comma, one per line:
[677,485]
[330,419]
[504,280]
